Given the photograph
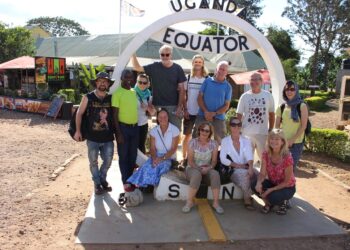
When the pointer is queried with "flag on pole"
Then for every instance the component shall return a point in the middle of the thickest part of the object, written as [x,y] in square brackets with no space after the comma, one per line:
[130,10]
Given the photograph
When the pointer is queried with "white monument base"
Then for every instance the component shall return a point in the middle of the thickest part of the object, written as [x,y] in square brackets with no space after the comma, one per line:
[174,186]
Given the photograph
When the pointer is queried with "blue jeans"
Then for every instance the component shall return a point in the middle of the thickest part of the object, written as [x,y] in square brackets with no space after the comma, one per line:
[276,197]
[127,151]
[106,150]
[296,150]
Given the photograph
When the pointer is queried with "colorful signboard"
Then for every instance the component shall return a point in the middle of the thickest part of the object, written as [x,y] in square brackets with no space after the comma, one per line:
[49,69]
[25,105]
[40,69]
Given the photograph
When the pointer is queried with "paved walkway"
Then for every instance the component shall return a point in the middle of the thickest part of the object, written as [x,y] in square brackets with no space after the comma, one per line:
[163,222]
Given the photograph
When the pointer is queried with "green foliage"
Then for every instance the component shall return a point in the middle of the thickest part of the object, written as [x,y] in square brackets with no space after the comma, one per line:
[323,25]
[86,75]
[319,93]
[212,29]
[329,141]
[282,42]
[69,93]
[59,26]
[230,113]
[316,102]
[15,42]
[290,68]
[234,103]
[62,95]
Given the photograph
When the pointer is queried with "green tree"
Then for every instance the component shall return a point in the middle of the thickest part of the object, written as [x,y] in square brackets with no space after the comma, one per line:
[290,68]
[282,42]
[334,64]
[324,25]
[15,42]
[59,26]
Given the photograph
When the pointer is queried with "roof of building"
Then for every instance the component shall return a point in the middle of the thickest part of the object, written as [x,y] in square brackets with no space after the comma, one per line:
[98,49]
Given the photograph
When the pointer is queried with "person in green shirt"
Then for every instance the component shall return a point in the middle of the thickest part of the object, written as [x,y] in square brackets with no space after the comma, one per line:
[124,104]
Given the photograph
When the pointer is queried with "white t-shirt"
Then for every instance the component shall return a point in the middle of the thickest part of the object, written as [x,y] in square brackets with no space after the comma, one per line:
[245,151]
[168,136]
[142,117]
[193,86]
[255,109]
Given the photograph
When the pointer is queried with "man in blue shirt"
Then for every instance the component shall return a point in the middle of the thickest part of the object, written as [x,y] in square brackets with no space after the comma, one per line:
[214,100]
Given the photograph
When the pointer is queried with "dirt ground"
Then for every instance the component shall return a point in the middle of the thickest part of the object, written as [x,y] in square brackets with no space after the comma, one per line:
[39,213]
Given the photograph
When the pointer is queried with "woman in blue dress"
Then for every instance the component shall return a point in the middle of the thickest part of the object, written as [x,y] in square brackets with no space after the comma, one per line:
[164,141]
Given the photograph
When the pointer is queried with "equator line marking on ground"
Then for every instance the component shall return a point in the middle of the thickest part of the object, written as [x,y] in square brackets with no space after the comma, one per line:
[211,224]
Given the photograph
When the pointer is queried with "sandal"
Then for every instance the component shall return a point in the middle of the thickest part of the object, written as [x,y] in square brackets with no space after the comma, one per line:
[282,209]
[266,209]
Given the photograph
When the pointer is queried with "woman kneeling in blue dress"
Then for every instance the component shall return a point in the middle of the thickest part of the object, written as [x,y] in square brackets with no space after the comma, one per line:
[164,141]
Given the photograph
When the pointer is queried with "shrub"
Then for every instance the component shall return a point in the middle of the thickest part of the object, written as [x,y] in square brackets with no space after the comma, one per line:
[70,93]
[329,141]
[231,112]
[316,102]
[234,103]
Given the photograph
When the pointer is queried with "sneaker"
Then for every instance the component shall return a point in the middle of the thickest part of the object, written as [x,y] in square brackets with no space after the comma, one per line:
[99,190]
[106,187]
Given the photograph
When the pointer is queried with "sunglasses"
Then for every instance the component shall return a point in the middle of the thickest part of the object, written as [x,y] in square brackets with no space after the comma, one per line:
[165,55]
[143,82]
[232,124]
[255,79]
[204,130]
[289,89]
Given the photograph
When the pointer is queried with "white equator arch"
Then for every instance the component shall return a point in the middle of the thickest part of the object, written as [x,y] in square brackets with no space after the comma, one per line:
[264,47]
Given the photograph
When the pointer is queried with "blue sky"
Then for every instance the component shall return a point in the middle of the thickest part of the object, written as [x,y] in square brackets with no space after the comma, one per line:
[103,17]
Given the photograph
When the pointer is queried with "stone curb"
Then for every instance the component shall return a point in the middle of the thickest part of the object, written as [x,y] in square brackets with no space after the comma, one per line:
[61,168]
[339,183]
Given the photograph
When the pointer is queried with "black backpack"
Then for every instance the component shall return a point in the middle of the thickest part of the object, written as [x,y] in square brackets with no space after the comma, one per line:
[84,122]
[308,125]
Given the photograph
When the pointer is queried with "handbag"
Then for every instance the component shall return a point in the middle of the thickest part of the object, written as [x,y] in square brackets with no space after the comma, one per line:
[225,172]
[174,163]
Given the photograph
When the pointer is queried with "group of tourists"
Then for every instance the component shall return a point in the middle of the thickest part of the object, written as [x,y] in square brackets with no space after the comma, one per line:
[198,104]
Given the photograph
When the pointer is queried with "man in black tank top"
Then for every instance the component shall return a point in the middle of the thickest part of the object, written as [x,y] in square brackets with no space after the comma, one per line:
[100,130]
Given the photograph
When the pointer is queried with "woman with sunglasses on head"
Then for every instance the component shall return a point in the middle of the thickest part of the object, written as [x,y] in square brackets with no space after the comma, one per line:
[237,153]
[276,181]
[202,157]
[292,117]
[144,107]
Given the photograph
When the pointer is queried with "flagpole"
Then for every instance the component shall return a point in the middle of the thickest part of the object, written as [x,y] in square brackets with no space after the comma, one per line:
[120,26]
